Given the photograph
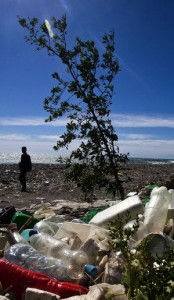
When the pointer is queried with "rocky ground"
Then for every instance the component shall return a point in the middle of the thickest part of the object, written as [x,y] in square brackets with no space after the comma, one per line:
[46,182]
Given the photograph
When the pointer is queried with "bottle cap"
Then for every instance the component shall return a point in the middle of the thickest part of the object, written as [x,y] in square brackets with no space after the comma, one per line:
[32,231]
[12,226]
[91,271]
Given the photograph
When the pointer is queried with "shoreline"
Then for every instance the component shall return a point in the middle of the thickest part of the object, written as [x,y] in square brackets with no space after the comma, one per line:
[132,161]
[46,182]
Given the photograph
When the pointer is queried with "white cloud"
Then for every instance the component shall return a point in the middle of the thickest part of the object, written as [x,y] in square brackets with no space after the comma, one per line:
[118,120]
[14,137]
[137,144]
[31,122]
[123,120]
[48,137]
[135,136]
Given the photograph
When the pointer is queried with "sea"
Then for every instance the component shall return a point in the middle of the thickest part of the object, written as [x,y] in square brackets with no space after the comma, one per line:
[14,158]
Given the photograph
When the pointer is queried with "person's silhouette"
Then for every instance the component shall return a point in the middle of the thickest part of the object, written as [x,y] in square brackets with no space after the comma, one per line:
[25,166]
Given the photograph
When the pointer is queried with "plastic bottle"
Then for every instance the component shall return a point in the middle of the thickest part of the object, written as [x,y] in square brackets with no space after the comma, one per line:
[156,210]
[55,226]
[13,236]
[27,257]
[155,214]
[74,261]
[42,226]
[46,244]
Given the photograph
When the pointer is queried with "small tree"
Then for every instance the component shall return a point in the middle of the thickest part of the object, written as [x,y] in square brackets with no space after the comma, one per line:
[83,95]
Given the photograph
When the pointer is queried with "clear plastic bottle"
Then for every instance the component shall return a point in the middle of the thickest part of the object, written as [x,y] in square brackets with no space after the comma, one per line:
[74,261]
[42,226]
[27,257]
[47,245]
[55,226]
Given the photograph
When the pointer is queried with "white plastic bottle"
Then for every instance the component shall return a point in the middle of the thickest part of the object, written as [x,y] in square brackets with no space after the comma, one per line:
[156,210]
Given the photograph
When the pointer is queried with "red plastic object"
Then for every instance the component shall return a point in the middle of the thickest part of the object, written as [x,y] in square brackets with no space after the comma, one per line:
[20,278]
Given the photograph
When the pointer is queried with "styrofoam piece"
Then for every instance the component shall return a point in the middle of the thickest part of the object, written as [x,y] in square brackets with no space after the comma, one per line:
[171,206]
[83,231]
[132,204]
[36,294]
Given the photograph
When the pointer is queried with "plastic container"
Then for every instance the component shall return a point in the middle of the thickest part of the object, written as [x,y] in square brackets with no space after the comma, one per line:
[74,261]
[132,204]
[19,279]
[21,218]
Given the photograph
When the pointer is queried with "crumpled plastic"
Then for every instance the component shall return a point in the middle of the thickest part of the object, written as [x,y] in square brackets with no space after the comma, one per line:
[44,211]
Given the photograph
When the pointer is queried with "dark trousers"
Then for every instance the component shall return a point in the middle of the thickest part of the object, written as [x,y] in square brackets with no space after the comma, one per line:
[22,178]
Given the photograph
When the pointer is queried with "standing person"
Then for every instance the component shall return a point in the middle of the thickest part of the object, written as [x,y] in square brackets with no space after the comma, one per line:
[25,166]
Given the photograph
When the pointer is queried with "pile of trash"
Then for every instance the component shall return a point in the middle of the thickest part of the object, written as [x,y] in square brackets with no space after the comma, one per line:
[44,255]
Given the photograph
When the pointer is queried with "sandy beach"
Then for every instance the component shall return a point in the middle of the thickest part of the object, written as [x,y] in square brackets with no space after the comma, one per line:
[46,182]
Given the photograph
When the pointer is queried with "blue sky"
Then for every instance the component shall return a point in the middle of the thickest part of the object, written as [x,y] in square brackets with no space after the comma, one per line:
[143,106]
